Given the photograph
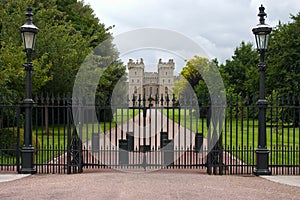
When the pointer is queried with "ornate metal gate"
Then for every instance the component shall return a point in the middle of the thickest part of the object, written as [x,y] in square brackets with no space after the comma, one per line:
[149,135]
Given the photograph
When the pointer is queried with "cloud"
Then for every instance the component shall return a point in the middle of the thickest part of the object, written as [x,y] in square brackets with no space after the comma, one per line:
[219,26]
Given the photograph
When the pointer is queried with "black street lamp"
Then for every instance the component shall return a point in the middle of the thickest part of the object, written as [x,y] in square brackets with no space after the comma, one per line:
[29,31]
[262,32]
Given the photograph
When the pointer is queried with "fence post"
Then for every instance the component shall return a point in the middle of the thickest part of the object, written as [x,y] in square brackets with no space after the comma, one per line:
[69,139]
[18,140]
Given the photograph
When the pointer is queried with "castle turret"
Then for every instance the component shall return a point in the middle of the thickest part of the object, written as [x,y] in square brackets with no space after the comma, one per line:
[135,77]
[166,76]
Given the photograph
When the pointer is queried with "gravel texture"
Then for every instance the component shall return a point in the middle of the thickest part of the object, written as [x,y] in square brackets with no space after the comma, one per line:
[155,185]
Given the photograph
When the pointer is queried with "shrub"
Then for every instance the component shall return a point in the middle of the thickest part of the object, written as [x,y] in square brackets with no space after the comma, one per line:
[9,139]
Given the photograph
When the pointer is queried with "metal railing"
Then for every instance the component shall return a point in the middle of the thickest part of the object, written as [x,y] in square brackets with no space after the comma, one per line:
[150,135]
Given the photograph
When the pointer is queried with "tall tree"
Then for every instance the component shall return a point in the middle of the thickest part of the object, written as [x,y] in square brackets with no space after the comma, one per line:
[68,33]
[283,71]
[240,74]
[202,75]
[11,55]
[84,20]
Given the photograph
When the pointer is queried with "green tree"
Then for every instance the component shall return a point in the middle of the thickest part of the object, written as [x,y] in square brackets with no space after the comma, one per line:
[240,74]
[283,70]
[180,87]
[84,20]
[201,74]
[11,55]
[68,33]
[283,59]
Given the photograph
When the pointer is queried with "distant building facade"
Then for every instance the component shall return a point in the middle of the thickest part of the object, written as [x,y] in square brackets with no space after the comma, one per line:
[150,84]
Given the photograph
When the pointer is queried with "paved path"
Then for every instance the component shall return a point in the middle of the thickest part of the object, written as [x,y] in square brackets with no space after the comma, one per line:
[11,177]
[155,185]
[155,122]
[288,180]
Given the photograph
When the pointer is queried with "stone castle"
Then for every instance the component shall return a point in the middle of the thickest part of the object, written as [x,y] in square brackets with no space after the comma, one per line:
[150,84]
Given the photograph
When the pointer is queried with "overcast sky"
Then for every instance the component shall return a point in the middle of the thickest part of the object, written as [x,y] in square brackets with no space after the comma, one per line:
[218,26]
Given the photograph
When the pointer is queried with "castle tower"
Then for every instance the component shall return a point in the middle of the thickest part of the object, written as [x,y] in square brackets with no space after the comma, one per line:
[135,77]
[166,77]
[150,84]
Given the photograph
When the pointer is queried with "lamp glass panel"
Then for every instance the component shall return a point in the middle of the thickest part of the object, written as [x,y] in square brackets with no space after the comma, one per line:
[267,41]
[257,41]
[28,38]
[262,41]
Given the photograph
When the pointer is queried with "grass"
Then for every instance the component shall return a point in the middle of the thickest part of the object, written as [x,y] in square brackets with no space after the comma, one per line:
[240,136]
[187,119]
[122,115]
[6,158]
[55,143]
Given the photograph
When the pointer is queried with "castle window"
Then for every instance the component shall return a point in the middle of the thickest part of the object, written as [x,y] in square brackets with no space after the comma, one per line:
[135,73]
[135,90]
[166,73]
[169,81]
[138,80]
[166,90]
[132,80]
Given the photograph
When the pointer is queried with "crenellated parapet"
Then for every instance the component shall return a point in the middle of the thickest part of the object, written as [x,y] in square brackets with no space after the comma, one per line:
[138,64]
[170,64]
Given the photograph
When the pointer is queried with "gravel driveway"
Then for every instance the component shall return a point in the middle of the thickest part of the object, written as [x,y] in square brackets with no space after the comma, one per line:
[155,185]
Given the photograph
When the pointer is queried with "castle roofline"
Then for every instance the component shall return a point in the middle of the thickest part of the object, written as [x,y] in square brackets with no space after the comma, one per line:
[137,62]
[140,63]
[171,61]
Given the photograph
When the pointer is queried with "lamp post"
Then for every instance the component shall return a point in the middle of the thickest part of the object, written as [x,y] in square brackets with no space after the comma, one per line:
[262,32]
[29,31]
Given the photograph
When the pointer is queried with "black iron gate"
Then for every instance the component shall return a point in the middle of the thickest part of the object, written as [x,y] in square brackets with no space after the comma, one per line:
[10,136]
[149,135]
[155,134]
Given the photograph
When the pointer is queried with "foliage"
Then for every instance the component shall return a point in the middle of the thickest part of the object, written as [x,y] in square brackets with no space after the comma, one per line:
[283,59]
[105,89]
[240,74]
[109,79]
[11,55]
[83,19]
[276,111]
[69,30]
[180,87]
[283,71]
[9,138]
[202,75]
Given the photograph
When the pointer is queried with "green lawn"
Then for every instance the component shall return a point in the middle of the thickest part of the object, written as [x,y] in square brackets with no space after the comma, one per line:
[6,158]
[121,115]
[55,143]
[240,136]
